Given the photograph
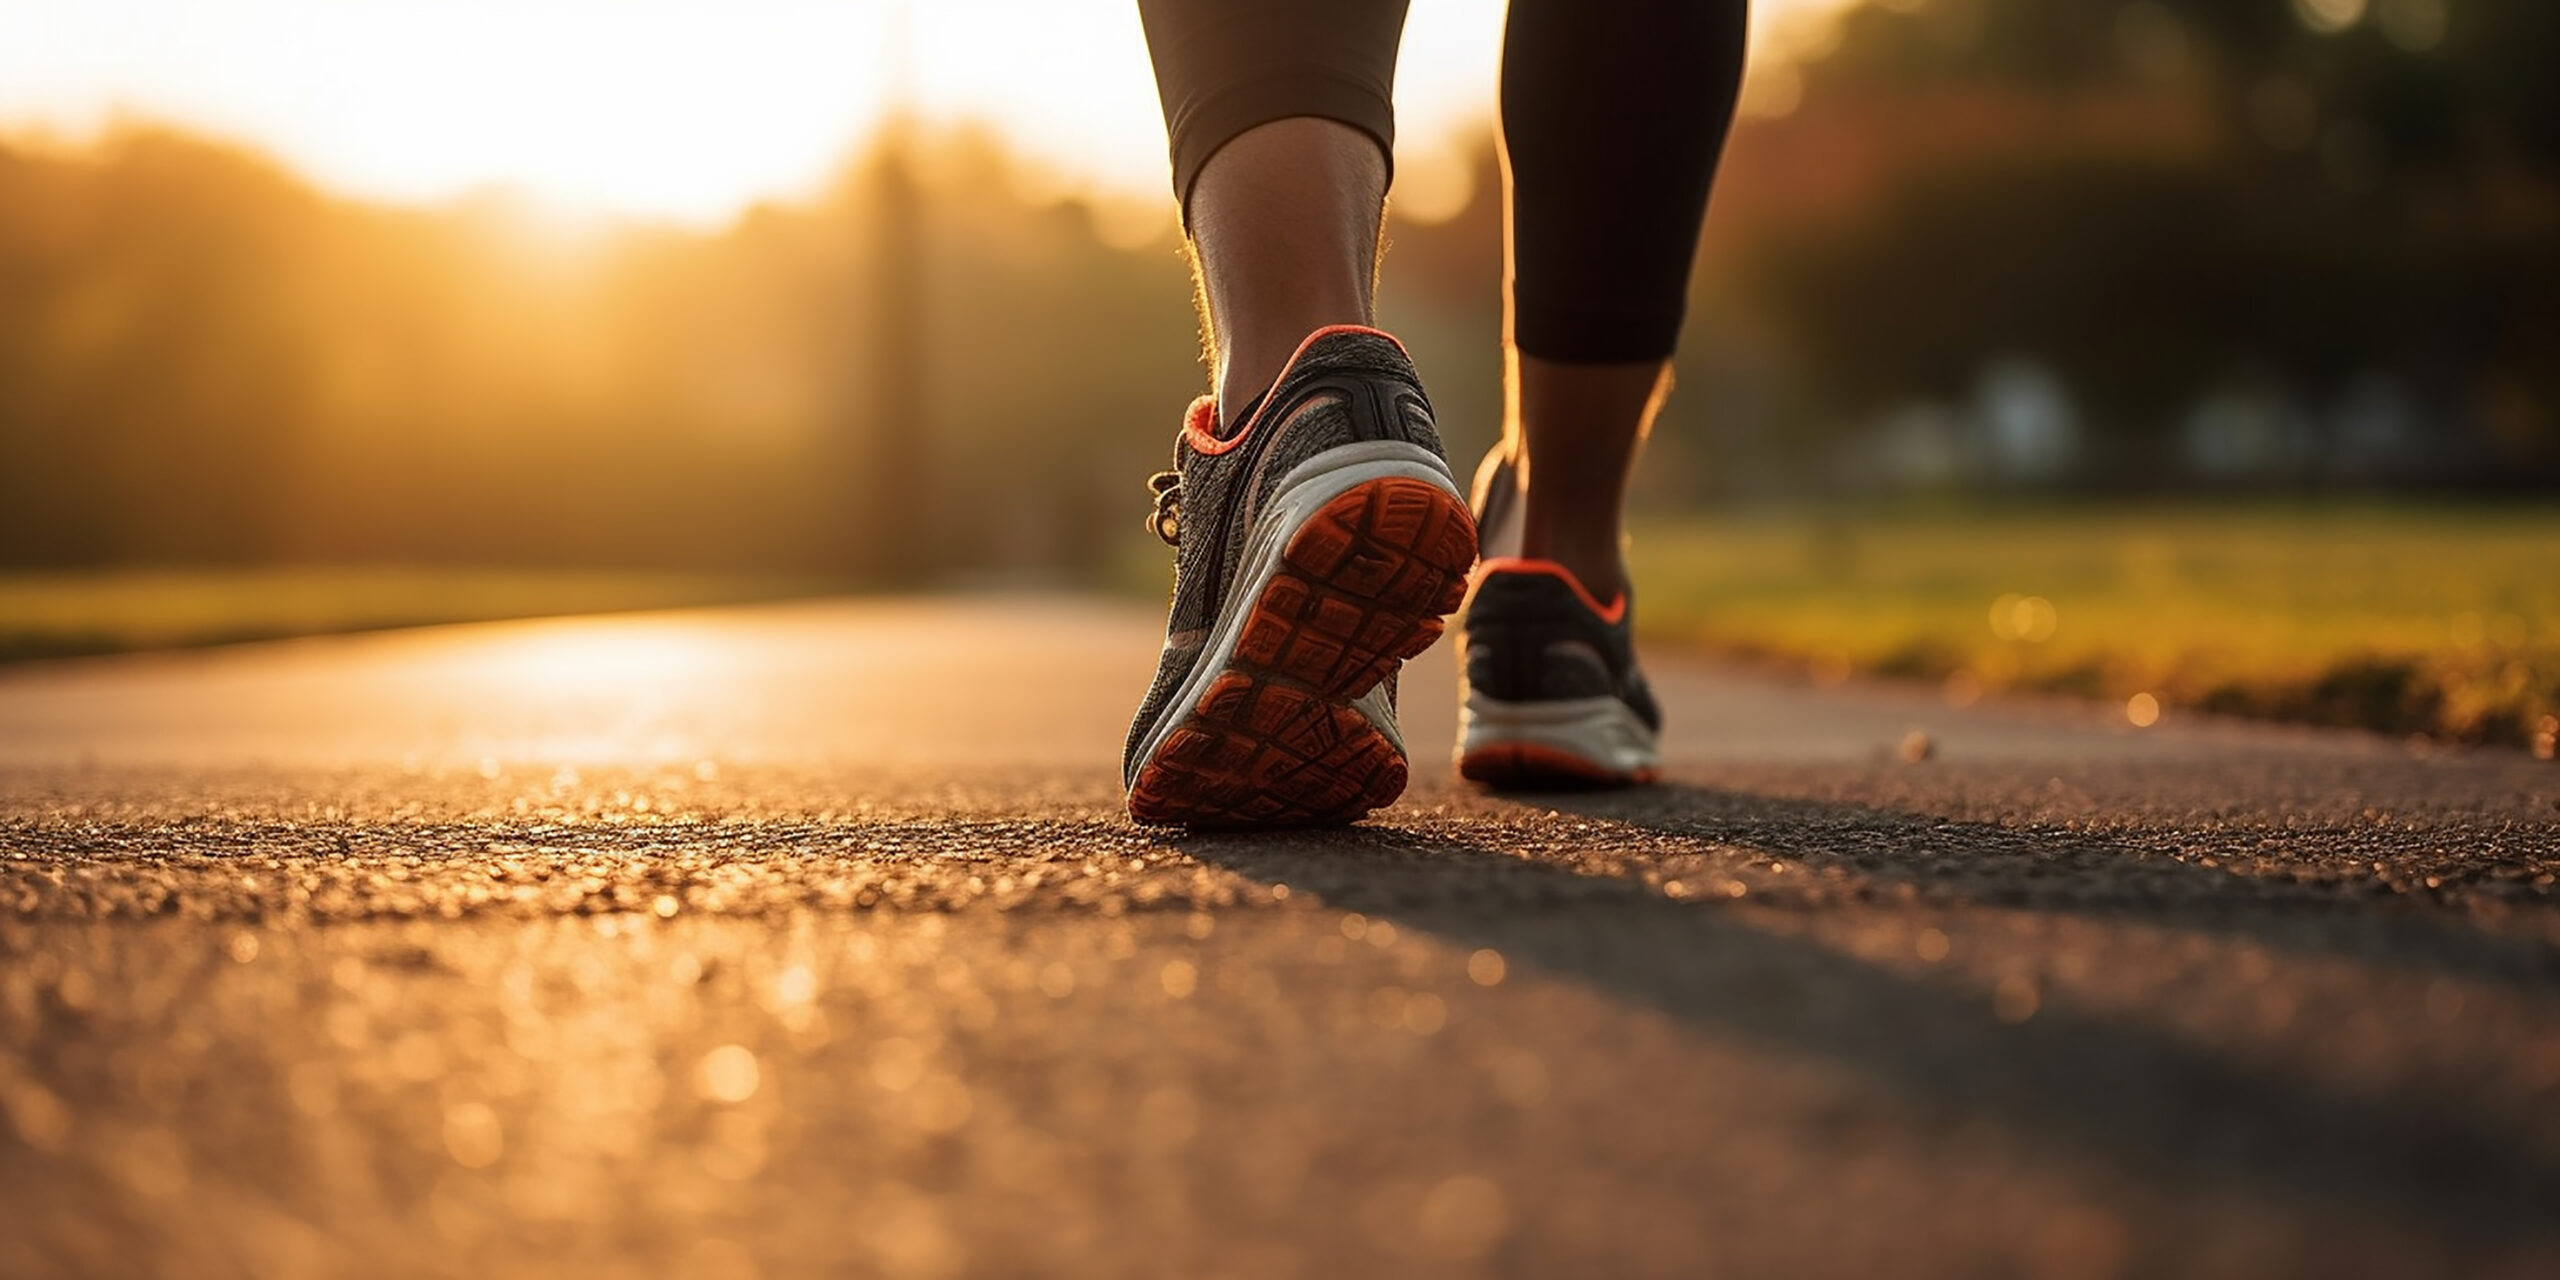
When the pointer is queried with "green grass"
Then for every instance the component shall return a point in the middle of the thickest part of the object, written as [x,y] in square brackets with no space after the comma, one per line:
[109,611]
[2443,621]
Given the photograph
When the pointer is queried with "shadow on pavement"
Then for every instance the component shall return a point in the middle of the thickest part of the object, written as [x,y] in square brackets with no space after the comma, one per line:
[2046,867]
[2151,1104]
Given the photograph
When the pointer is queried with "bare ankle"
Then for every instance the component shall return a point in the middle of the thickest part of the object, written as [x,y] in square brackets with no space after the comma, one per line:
[1262,354]
[1593,557]
[1573,434]
[1284,225]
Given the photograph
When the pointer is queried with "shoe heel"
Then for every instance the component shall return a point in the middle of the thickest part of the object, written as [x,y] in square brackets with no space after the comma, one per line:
[1362,584]
[1559,745]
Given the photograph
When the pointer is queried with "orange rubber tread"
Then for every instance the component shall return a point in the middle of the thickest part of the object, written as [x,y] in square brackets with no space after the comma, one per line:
[1273,739]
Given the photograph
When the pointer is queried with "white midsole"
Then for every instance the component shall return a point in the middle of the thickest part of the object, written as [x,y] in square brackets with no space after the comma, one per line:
[1300,495]
[1602,731]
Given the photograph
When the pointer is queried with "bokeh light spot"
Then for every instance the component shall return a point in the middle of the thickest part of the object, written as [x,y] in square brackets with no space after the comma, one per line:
[2142,710]
[728,1074]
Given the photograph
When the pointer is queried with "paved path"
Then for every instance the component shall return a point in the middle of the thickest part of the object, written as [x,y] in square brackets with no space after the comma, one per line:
[810,940]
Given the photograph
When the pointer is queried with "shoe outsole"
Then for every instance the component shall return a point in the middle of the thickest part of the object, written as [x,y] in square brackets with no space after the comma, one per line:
[1273,739]
[1530,766]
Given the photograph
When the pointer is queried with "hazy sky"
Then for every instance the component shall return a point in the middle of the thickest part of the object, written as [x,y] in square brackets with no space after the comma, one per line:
[687,109]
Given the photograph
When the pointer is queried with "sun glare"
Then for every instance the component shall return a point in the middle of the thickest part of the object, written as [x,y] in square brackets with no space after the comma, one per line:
[669,109]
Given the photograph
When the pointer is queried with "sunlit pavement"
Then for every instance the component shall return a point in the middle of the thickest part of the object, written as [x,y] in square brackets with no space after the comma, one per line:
[810,940]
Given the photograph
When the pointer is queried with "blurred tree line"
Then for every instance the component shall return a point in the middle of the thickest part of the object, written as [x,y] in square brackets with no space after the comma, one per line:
[204,360]
[2054,242]
[2151,242]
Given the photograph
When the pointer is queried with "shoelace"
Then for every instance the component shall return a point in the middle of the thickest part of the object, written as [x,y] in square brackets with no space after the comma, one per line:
[1166,521]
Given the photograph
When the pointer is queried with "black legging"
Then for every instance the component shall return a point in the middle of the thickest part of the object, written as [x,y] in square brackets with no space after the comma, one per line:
[1614,113]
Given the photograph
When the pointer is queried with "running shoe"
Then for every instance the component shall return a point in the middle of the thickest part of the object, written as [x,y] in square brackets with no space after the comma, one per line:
[1316,547]
[1549,694]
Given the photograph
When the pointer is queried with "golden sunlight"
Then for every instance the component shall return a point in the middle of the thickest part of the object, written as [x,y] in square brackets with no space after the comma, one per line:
[669,109]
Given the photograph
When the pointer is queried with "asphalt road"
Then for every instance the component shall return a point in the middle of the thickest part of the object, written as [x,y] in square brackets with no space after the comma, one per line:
[811,940]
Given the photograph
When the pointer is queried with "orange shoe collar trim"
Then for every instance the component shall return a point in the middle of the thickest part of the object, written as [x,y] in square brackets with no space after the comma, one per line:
[1612,613]
[1200,425]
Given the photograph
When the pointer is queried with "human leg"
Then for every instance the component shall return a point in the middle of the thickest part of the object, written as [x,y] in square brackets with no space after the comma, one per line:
[1319,534]
[1613,119]
[1280,122]
[1614,116]
[1284,240]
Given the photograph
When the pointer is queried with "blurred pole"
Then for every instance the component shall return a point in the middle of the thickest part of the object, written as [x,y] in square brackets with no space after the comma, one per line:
[887,541]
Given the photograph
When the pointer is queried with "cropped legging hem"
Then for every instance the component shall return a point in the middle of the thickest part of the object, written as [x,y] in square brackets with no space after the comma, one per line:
[1219,117]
